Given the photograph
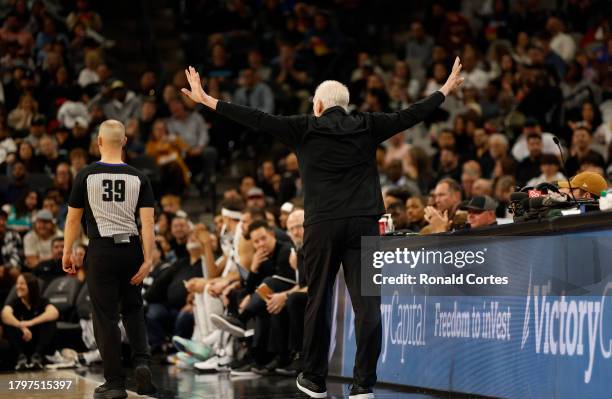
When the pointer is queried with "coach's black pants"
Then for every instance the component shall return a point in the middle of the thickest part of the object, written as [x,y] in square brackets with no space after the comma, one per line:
[327,244]
[109,270]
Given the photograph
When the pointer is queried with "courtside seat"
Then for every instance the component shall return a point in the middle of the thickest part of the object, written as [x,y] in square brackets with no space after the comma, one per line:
[62,293]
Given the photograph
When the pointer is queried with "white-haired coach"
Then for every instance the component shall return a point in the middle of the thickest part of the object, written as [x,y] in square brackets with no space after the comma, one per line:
[342,196]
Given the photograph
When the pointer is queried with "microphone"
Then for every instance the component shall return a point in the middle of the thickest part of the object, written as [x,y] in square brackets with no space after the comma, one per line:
[569,183]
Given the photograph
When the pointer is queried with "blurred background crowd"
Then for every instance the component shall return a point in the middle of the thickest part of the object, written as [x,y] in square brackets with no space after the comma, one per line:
[533,70]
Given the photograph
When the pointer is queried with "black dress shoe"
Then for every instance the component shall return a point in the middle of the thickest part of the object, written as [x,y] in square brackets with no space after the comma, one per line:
[144,384]
[359,392]
[314,389]
[109,392]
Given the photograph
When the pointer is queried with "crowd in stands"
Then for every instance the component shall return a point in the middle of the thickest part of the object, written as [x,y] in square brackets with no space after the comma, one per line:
[232,295]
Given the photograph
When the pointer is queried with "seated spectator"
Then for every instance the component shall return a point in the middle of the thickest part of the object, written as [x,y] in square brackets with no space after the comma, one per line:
[549,166]
[37,243]
[271,267]
[30,323]
[482,187]
[37,131]
[179,235]
[397,210]
[581,148]
[529,167]
[78,160]
[167,152]
[25,154]
[447,197]
[52,203]
[21,214]
[585,185]
[51,268]
[481,212]
[170,310]
[62,180]
[397,180]
[254,93]
[20,119]
[520,149]
[415,213]
[255,198]
[18,183]
[123,105]
[49,155]
[191,127]
[504,187]
[470,173]
[397,149]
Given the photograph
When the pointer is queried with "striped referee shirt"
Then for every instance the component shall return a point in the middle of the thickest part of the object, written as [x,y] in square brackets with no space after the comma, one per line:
[111,195]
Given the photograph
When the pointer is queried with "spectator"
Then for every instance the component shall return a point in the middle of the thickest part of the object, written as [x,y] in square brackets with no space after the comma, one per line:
[585,185]
[30,323]
[397,149]
[254,93]
[167,152]
[580,149]
[49,155]
[255,198]
[415,213]
[26,155]
[123,105]
[63,180]
[192,129]
[179,231]
[418,48]
[481,212]
[529,167]
[482,187]
[37,131]
[37,243]
[447,196]
[21,117]
[520,149]
[471,172]
[561,43]
[22,212]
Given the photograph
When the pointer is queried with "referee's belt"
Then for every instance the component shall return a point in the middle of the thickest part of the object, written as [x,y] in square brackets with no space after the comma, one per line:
[120,239]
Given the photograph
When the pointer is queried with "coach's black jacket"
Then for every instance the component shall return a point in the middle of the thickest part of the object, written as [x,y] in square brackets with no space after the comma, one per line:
[336,153]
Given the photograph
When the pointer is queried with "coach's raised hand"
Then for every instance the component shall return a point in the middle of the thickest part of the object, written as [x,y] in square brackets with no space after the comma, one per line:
[197,93]
[454,80]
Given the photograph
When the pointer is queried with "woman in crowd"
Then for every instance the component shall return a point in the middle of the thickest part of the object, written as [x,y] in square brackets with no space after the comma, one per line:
[30,323]
[22,212]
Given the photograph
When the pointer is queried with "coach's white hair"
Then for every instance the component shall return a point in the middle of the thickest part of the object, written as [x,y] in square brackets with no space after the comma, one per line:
[332,94]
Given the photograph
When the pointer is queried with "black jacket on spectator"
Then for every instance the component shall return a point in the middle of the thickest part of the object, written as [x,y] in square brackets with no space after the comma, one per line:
[276,264]
[21,311]
[336,153]
[169,288]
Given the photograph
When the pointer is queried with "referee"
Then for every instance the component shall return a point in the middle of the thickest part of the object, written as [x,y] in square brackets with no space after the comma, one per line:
[336,152]
[111,194]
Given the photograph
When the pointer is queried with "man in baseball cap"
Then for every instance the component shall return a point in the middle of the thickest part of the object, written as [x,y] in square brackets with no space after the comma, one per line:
[585,185]
[481,211]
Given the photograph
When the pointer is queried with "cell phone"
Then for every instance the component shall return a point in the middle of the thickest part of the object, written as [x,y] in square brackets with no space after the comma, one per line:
[264,291]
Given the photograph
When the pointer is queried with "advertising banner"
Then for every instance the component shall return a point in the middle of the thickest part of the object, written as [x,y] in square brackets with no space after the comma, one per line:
[545,333]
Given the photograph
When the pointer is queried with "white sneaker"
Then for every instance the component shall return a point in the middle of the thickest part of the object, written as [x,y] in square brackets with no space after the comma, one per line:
[55,358]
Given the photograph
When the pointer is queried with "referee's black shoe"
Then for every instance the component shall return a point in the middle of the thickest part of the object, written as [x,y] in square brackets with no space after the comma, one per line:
[144,384]
[359,392]
[314,389]
[109,392]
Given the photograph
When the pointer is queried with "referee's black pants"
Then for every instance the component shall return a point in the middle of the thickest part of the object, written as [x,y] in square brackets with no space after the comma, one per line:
[109,270]
[328,244]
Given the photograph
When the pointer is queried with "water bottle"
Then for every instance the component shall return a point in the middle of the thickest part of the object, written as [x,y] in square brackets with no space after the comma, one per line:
[605,201]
